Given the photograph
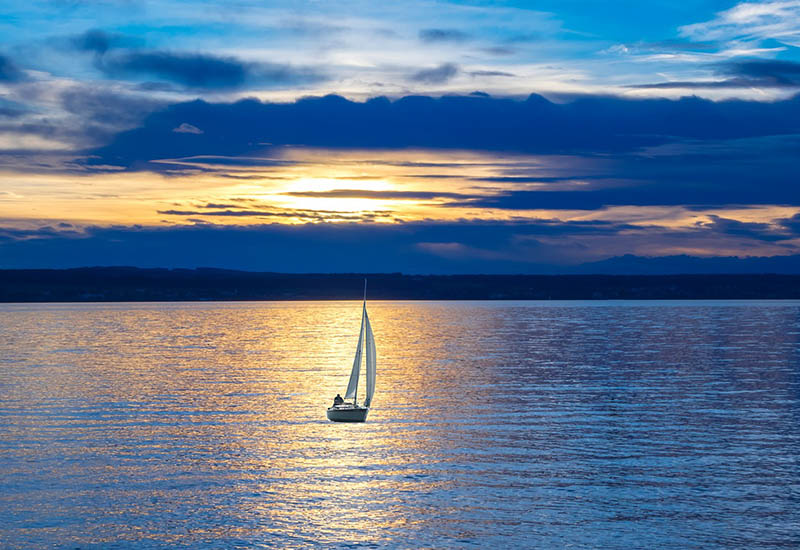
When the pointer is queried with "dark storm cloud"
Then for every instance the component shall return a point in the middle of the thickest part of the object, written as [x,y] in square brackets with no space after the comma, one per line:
[754,230]
[9,72]
[436,75]
[785,73]
[536,179]
[588,126]
[684,186]
[754,171]
[791,224]
[198,70]
[339,247]
[99,41]
[443,35]
[121,56]
[532,246]
[693,153]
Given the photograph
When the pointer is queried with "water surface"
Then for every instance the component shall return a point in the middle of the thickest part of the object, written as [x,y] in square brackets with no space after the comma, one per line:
[495,424]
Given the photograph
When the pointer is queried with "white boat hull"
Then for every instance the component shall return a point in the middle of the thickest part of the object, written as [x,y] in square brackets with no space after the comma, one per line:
[347,414]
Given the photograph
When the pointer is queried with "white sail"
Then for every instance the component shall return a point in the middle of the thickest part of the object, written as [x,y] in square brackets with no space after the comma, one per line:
[352,386]
[371,360]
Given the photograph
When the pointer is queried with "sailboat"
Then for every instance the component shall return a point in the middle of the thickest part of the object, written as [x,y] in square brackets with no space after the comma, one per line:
[352,411]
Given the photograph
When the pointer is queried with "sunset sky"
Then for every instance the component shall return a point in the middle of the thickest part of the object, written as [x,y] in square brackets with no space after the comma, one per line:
[404,136]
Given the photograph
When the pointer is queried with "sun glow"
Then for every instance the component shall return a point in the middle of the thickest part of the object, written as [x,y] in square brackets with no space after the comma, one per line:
[291,198]
[307,186]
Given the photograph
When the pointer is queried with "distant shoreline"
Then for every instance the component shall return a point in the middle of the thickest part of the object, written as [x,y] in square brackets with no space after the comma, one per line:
[130,284]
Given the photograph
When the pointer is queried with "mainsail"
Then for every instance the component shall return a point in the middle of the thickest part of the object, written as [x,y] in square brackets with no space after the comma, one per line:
[370,361]
[352,386]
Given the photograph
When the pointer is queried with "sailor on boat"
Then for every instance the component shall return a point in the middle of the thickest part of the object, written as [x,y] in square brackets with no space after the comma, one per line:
[337,400]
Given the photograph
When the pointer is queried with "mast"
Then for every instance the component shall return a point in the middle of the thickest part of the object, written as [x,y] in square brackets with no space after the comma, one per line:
[357,369]
[363,314]
[352,385]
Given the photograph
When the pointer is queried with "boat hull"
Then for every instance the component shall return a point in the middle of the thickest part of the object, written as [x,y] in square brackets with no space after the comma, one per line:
[347,414]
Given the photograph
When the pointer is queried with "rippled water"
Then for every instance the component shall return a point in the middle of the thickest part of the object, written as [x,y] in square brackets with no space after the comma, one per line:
[495,424]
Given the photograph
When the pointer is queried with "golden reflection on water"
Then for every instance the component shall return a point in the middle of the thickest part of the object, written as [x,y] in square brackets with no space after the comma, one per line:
[238,392]
[203,425]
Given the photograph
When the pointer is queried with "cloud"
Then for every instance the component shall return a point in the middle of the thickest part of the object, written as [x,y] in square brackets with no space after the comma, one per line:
[443,35]
[197,70]
[490,73]
[759,231]
[62,230]
[791,224]
[231,213]
[87,116]
[9,72]
[186,128]
[500,50]
[714,84]
[751,21]
[10,112]
[676,45]
[118,110]
[340,247]
[390,195]
[782,73]
[12,109]
[46,136]
[702,180]
[752,73]
[99,41]
[436,75]
[244,208]
[304,216]
[588,125]
[534,246]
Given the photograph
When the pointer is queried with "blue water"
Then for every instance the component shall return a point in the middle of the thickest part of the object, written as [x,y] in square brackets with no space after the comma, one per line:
[495,424]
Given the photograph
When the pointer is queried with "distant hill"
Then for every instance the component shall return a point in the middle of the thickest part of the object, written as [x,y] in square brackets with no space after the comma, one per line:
[135,284]
[681,264]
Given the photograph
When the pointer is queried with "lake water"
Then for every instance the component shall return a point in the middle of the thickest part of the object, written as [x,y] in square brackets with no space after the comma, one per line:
[669,425]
